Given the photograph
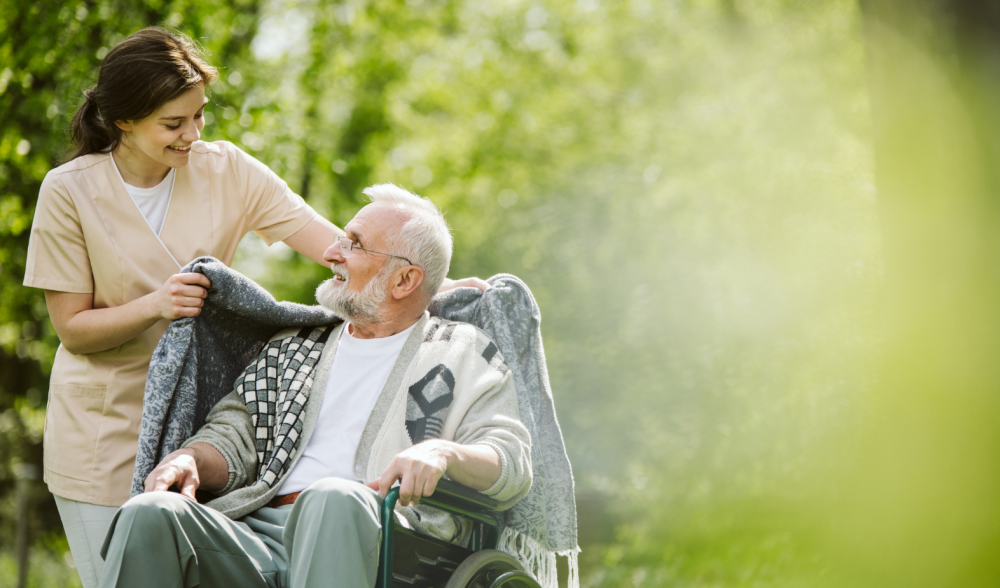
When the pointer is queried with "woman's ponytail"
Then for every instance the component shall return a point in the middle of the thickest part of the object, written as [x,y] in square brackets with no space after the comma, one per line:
[141,73]
[87,130]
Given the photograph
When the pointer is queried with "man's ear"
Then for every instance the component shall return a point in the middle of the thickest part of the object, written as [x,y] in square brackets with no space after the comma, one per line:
[124,125]
[407,282]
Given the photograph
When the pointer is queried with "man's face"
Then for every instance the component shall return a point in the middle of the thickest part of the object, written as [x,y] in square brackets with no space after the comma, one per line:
[359,286]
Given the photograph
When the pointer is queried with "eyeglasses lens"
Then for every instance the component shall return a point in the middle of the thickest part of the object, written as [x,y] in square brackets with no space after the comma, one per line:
[345,246]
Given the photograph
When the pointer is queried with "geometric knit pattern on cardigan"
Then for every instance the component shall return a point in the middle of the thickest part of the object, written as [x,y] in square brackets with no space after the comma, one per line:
[428,399]
[278,384]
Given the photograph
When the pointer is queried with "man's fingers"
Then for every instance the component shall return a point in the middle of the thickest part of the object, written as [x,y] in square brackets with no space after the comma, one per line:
[161,483]
[189,486]
[418,478]
[420,475]
[426,482]
[406,489]
[164,480]
[429,485]
[386,480]
[151,480]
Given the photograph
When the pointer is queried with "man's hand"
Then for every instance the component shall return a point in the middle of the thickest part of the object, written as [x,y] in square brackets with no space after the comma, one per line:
[197,466]
[418,468]
[449,284]
[177,468]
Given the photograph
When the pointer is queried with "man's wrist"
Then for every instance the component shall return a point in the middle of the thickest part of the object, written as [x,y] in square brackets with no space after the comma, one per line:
[194,454]
[451,452]
[213,471]
[187,451]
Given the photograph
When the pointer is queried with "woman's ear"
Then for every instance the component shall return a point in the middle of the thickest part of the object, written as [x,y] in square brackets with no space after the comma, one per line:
[124,125]
[407,282]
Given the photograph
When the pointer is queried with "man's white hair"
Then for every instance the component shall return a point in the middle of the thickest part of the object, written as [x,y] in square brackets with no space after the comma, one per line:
[424,239]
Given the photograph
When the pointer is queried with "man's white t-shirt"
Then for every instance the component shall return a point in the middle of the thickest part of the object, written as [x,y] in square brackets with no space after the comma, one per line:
[360,370]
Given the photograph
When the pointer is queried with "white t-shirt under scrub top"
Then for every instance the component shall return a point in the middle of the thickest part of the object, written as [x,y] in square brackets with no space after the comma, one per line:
[360,370]
[152,202]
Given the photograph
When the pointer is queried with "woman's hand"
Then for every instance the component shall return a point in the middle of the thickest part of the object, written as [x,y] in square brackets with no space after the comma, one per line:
[182,295]
[85,329]
[463,283]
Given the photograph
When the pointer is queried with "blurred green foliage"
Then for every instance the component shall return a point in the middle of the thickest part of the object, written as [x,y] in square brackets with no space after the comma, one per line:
[686,186]
[920,507]
[51,566]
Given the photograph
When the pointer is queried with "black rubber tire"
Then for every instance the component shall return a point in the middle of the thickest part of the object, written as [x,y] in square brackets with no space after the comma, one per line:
[481,568]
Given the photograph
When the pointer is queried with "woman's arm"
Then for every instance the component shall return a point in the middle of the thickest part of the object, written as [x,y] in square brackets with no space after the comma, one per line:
[84,329]
[313,240]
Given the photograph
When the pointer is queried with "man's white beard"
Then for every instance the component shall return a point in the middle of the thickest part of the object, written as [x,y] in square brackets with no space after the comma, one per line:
[360,308]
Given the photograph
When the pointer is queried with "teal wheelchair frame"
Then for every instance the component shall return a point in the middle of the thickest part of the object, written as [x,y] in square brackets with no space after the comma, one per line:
[408,559]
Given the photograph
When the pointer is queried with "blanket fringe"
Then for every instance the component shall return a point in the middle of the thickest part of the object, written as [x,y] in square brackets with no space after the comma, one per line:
[537,560]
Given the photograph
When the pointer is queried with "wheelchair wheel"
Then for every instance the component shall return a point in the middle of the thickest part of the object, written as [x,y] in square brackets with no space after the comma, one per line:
[490,568]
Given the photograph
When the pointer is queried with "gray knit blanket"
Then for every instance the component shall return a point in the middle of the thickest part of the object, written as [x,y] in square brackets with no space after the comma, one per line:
[198,359]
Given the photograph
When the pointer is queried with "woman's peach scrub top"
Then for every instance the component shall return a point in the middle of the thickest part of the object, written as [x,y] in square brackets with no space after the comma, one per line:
[88,236]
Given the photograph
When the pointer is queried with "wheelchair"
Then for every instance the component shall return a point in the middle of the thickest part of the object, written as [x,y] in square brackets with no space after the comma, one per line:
[412,560]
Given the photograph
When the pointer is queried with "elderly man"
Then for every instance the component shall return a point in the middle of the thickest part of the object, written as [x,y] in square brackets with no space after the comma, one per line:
[316,431]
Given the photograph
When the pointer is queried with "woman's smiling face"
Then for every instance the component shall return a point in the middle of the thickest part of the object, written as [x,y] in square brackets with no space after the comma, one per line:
[165,137]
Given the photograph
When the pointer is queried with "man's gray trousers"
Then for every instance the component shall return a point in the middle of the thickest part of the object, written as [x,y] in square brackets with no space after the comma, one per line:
[329,538]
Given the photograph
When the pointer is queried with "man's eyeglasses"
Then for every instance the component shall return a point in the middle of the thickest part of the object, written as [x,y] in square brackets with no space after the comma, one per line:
[347,246]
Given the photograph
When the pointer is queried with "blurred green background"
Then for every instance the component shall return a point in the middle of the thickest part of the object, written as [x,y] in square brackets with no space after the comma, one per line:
[763,235]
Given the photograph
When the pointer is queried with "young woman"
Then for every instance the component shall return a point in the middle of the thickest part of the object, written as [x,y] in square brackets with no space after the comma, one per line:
[140,197]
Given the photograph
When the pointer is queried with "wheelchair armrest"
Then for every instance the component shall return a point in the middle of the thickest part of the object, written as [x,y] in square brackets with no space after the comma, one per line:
[453,493]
